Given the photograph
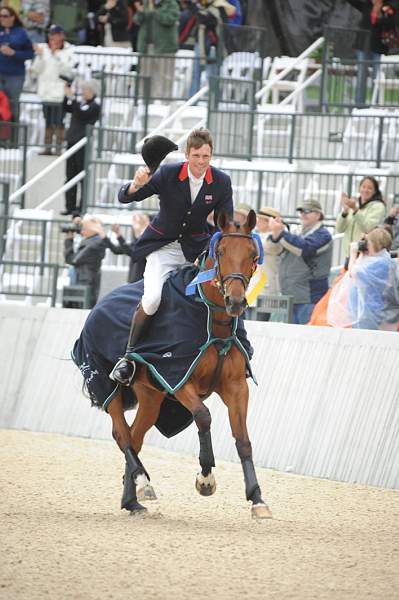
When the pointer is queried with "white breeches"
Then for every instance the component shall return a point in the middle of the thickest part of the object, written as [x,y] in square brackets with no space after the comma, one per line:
[159,264]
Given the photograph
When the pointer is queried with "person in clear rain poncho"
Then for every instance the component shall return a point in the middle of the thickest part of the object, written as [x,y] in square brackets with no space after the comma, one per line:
[367,297]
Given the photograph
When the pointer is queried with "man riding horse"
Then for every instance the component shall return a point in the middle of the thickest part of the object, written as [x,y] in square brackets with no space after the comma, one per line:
[188,192]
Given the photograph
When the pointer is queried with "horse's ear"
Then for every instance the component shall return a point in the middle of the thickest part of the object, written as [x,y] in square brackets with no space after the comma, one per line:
[223,220]
[251,220]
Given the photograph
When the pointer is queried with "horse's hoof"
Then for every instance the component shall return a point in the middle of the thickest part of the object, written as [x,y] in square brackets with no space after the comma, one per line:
[146,493]
[135,507]
[206,486]
[261,511]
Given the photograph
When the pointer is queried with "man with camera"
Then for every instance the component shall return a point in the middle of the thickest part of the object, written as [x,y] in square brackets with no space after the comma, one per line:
[306,257]
[87,258]
[85,111]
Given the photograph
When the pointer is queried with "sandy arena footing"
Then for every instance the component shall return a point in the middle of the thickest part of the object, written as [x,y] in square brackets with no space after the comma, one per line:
[63,536]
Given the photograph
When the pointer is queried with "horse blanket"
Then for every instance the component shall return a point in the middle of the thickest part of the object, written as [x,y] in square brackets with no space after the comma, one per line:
[179,333]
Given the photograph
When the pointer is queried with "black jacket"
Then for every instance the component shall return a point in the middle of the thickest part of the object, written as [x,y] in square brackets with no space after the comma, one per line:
[83,113]
[136,267]
[177,218]
[87,262]
[118,18]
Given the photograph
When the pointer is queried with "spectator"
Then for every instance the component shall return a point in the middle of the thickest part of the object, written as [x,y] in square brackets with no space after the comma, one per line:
[36,17]
[187,24]
[241,212]
[71,14]
[88,257]
[94,31]
[210,15]
[271,262]
[133,28]
[53,61]
[113,19]
[15,49]
[84,112]
[362,215]
[235,19]
[187,192]
[158,22]
[305,259]
[369,42]
[136,267]
[367,297]
[393,221]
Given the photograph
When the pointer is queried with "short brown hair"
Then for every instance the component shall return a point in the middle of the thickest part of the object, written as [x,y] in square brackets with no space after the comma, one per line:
[380,238]
[199,137]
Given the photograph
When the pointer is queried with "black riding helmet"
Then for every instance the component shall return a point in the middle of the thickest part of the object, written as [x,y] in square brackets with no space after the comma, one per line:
[155,149]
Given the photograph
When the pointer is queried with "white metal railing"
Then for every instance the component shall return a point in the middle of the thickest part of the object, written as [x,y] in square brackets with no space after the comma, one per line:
[282,74]
[170,118]
[48,170]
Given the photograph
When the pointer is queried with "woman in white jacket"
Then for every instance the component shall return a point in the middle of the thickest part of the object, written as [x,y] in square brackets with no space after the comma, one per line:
[53,61]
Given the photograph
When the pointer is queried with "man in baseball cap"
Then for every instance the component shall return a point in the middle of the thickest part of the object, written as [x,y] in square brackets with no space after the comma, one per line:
[305,259]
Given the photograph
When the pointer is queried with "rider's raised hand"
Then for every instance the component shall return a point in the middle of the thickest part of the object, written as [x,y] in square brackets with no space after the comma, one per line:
[141,177]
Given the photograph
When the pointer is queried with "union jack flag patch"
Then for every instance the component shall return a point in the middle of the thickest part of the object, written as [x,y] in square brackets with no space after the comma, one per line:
[208,199]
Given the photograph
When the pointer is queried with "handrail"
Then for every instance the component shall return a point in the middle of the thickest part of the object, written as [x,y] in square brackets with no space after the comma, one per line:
[288,99]
[173,116]
[68,185]
[72,150]
[305,54]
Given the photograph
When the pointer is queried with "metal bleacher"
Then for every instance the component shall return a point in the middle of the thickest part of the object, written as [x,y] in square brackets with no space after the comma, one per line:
[275,151]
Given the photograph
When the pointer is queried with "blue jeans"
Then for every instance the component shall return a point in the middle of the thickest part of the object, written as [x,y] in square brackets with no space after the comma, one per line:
[211,70]
[373,60]
[302,313]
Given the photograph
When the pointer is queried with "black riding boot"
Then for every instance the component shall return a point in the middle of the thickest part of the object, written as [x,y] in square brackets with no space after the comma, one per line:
[124,370]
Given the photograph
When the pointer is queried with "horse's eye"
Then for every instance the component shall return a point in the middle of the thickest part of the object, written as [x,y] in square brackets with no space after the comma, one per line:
[220,253]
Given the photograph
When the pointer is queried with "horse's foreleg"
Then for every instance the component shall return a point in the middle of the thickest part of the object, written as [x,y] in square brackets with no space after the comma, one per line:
[237,404]
[205,482]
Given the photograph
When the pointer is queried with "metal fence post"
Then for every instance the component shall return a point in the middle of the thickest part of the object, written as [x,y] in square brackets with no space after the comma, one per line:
[292,139]
[379,142]
[54,286]
[25,144]
[86,166]
[100,75]
[43,244]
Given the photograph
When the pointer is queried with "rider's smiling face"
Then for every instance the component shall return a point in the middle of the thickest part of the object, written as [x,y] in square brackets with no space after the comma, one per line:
[199,159]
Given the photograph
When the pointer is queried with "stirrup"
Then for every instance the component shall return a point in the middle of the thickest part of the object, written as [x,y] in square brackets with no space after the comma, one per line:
[120,379]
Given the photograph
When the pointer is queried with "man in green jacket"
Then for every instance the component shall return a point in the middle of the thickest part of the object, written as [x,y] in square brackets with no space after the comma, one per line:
[158,34]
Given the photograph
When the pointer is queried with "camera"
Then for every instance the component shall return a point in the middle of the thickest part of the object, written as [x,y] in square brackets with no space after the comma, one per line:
[67,80]
[362,245]
[71,228]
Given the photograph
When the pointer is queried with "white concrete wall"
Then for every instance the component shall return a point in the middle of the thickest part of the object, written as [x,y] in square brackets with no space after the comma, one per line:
[326,405]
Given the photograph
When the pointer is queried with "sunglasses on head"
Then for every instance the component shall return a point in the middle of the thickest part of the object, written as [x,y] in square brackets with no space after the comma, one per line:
[5,16]
[305,211]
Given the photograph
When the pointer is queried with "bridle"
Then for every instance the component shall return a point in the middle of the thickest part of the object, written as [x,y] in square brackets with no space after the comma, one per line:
[221,280]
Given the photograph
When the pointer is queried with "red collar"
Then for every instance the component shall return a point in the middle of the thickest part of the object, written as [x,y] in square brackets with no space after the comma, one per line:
[184,173]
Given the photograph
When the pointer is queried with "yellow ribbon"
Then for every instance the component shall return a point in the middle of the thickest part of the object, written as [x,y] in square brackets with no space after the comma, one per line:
[258,287]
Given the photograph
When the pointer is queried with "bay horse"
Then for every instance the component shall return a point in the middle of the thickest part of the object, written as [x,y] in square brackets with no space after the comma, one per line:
[234,257]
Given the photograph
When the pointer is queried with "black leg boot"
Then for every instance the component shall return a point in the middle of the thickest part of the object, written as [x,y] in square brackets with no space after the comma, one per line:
[124,370]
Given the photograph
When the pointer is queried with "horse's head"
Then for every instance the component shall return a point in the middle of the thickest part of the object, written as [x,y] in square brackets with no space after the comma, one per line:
[236,253]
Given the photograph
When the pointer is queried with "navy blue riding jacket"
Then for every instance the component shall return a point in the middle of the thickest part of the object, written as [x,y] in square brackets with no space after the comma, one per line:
[179,219]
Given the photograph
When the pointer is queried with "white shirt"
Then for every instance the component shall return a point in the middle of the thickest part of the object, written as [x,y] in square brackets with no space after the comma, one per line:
[195,184]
